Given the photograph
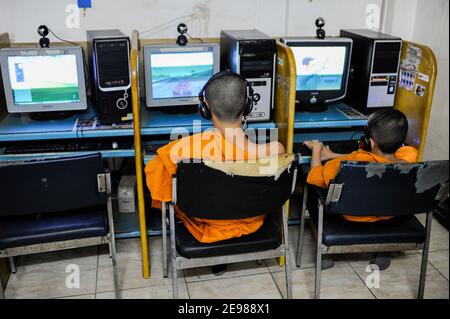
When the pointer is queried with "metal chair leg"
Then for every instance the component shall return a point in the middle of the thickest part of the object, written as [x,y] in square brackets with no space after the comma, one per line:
[164,240]
[319,253]
[2,292]
[110,251]
[115,269]
[12,265]
[112,238]
[287,254]
[301,233]
[173,252]
[423,268]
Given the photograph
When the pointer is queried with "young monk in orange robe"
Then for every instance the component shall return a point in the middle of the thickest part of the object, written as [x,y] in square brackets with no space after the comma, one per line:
[226,99]
[386,132]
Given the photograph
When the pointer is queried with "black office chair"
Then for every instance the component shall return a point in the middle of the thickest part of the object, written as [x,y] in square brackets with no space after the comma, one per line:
[231,191]
[377,189]
[55,204]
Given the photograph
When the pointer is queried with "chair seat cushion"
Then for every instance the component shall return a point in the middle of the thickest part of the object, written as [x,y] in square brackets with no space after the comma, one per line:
[338,231]
[266,238]
[52,227]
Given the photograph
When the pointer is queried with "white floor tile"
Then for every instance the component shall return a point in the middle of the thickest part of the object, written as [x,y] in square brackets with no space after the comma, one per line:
[401,279]
[338,282]
[259,286]
[44,275]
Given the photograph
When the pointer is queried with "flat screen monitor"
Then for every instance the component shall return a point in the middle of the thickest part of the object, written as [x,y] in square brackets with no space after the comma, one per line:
[322,67]
[43,79]
[174,75]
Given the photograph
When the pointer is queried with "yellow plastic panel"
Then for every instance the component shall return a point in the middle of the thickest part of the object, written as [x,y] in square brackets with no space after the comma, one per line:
[417,106]
[138,152]
[285,101]
[285,95]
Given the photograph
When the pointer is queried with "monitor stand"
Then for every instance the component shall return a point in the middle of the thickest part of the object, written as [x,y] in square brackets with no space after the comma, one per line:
[48,116]
[311,108]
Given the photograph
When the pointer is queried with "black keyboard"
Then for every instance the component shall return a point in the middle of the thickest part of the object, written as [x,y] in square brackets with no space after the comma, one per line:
[75,146]
[340,147]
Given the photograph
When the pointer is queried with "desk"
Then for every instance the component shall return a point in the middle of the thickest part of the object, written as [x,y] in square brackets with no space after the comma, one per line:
[17,127]
[156,127]
[330,125]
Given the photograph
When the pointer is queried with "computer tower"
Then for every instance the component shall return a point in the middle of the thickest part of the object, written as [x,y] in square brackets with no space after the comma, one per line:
[4,43]
[373,70]
[109,55]
[252,54]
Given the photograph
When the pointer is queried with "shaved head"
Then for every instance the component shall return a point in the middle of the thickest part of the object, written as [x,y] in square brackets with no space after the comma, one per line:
[389,130]
[226,97]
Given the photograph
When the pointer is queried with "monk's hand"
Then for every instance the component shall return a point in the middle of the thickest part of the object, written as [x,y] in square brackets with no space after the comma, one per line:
[327,154]
[314,145]
[316,149]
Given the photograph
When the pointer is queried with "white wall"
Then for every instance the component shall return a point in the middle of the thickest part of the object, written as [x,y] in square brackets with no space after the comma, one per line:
[204,17]
[431,29]
[400,17]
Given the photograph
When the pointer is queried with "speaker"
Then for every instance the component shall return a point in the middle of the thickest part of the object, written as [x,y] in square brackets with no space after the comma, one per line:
[109,53]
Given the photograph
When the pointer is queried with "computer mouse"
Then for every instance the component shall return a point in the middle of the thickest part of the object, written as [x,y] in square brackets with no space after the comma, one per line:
[115,145]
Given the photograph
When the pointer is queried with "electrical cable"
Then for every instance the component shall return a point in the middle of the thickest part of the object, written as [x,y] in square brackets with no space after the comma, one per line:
[201,40]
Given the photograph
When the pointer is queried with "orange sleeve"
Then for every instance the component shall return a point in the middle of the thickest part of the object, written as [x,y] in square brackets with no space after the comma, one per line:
[407,153]
[158,173]
[159,170]
[322,175]
[315,177]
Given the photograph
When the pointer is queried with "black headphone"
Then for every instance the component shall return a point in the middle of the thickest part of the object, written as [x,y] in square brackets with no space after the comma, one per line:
[203,107]
[364,141]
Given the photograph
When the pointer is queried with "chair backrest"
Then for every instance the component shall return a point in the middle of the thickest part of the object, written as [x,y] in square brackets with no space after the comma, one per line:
[210,193]
[362,189]
[50,185]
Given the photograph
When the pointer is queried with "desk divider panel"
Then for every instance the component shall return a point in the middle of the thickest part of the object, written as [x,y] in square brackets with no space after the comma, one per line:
[415,98]
[285,90]
[138,152]
[285,86]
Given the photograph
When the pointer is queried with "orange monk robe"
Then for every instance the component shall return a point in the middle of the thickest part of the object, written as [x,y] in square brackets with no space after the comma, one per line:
[322,175]
[206,145]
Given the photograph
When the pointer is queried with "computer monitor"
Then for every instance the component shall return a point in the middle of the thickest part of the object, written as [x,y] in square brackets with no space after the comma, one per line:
[322,70]
[43,79]
[174,75]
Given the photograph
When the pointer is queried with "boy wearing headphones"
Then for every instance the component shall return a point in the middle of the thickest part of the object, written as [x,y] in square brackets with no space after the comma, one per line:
[382,142]
[224,99]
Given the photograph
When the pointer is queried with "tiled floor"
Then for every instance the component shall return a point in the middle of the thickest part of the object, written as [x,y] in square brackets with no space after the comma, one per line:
[45,275]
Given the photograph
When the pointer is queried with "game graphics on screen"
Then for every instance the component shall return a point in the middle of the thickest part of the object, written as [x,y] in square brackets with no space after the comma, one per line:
[319,68]
[180,74]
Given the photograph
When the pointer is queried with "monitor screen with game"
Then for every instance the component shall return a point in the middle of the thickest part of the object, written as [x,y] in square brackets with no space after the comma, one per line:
[174,75]
[322,67]
[43,80]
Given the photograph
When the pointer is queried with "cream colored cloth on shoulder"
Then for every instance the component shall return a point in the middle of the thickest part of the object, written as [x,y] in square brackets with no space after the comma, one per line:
[270,166]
